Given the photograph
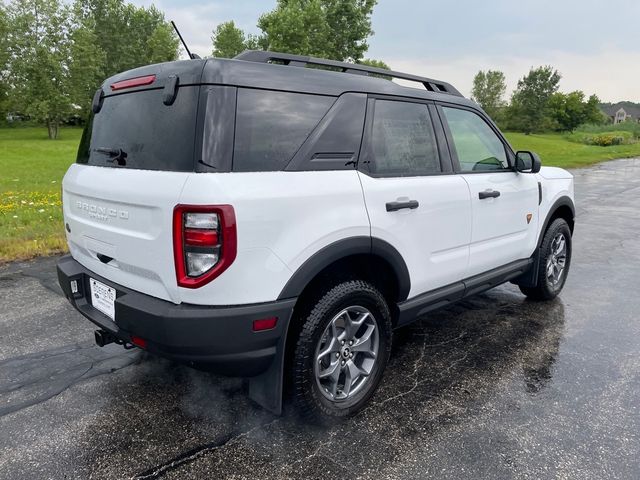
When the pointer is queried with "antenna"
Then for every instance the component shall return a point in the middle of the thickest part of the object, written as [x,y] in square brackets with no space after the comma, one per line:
[191,55]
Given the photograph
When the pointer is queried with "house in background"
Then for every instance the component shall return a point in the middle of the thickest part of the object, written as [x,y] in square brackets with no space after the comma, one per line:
[622,111]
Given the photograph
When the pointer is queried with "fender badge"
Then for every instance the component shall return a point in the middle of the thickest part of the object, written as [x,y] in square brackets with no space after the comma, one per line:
[529,217]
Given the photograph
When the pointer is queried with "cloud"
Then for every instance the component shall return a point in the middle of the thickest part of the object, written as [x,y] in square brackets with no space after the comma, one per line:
[612,75]
[197,19]
[594,48]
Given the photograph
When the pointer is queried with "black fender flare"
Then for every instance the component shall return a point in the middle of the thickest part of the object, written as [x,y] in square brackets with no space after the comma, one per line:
[563,201]
[345,248]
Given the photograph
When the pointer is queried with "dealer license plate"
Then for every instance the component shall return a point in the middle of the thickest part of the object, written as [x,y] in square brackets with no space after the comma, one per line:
[103,298]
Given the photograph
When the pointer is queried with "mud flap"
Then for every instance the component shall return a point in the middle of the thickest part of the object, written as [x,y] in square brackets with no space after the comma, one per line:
[530,277]
[266,389]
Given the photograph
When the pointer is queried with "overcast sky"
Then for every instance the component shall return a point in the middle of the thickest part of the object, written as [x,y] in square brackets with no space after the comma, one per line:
[594,44]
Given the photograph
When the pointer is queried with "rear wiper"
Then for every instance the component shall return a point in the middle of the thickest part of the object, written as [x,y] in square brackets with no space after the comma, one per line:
[115,154]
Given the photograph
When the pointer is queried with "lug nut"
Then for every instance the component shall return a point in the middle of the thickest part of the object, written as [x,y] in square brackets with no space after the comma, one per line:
[343,362]
[342,342]
[337,355]
[351,355]
[350,342]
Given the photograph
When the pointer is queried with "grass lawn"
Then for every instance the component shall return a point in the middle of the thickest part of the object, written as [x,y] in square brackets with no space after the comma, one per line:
[557,151]
[32,167]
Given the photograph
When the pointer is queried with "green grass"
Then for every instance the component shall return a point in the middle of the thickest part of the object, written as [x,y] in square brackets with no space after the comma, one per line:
[32,168]
[557,151]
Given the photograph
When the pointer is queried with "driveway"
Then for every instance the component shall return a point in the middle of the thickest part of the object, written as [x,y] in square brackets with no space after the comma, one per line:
[494,387]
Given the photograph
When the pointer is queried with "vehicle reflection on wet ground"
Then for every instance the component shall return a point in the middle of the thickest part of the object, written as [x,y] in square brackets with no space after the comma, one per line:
[495,386]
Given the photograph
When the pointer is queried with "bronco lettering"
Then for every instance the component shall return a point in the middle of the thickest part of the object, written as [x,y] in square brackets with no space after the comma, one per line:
[101,213]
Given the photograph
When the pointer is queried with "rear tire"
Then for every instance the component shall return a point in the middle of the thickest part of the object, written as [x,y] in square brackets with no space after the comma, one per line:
[341,352]
[553,263]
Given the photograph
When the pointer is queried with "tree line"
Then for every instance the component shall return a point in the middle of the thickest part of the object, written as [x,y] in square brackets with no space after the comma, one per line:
[536,104]
[54,54]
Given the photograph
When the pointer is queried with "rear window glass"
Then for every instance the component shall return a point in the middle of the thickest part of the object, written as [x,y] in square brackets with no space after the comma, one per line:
[271,127]
[137,130]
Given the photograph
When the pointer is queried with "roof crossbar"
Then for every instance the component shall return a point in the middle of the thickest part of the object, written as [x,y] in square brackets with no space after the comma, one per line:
[262,56]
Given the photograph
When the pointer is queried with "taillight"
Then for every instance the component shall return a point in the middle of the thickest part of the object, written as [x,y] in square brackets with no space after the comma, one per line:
[204,242]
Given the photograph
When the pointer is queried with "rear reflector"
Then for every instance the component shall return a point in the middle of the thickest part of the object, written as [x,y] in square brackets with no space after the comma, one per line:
[264,324]
[133,82]
[138,341]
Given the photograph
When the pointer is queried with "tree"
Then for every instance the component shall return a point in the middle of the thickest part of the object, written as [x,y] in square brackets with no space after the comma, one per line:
[570,110]
[128,35]
[377,64]
[162,45]
[374,63]
[255,42]
[593,114]
[228,40]
[335,29]
[350,25]
[4,62]
[39,47]
[488,91]
[530,100]
[86,67]
[298,27]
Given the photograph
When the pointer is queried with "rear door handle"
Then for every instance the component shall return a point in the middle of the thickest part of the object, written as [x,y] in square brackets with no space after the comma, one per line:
[395,206]
[488,194]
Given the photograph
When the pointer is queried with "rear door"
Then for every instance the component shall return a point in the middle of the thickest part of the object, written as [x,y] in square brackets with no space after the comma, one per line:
[504,202]
[135,156]
[413,199]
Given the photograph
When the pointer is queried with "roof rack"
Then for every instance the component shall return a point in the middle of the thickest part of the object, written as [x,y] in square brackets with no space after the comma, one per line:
[262,56]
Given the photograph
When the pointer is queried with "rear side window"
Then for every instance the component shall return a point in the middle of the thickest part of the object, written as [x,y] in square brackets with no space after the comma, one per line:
[402,139]
[271,127]
[136,130]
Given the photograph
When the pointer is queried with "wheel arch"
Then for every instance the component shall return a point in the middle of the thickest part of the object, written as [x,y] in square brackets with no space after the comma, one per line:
[361,253]
[344,260]
[563,208]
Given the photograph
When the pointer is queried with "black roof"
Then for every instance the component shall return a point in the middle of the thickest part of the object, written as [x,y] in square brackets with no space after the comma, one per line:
[253,69]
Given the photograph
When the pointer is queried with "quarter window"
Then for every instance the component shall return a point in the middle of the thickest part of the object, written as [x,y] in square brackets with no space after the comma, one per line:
[402,140]
[271,127]
[477,145]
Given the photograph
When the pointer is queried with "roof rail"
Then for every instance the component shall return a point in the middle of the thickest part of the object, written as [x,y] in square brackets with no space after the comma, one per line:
[262,56]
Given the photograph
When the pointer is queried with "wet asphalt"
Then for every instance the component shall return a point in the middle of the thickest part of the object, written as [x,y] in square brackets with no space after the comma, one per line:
[494,387]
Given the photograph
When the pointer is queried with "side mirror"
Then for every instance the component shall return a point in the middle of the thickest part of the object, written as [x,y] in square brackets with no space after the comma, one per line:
[527,162]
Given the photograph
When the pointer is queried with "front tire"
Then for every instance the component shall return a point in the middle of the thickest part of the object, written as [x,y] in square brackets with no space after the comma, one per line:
[342,351]
[554,262]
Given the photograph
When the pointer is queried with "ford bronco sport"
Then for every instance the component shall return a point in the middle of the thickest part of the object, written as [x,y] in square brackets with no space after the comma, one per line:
[260,218]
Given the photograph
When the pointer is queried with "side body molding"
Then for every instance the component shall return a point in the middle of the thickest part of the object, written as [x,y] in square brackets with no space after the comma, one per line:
[345,248]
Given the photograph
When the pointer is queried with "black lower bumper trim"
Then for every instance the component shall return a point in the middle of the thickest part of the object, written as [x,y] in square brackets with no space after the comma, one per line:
[220,339]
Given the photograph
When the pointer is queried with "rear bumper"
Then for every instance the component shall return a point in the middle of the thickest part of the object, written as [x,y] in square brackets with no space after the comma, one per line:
[220,339]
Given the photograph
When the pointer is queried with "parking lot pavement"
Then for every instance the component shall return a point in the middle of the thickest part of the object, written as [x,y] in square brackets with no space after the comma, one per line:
[494,387]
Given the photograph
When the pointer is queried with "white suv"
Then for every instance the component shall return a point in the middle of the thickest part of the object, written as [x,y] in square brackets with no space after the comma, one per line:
[259,218]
